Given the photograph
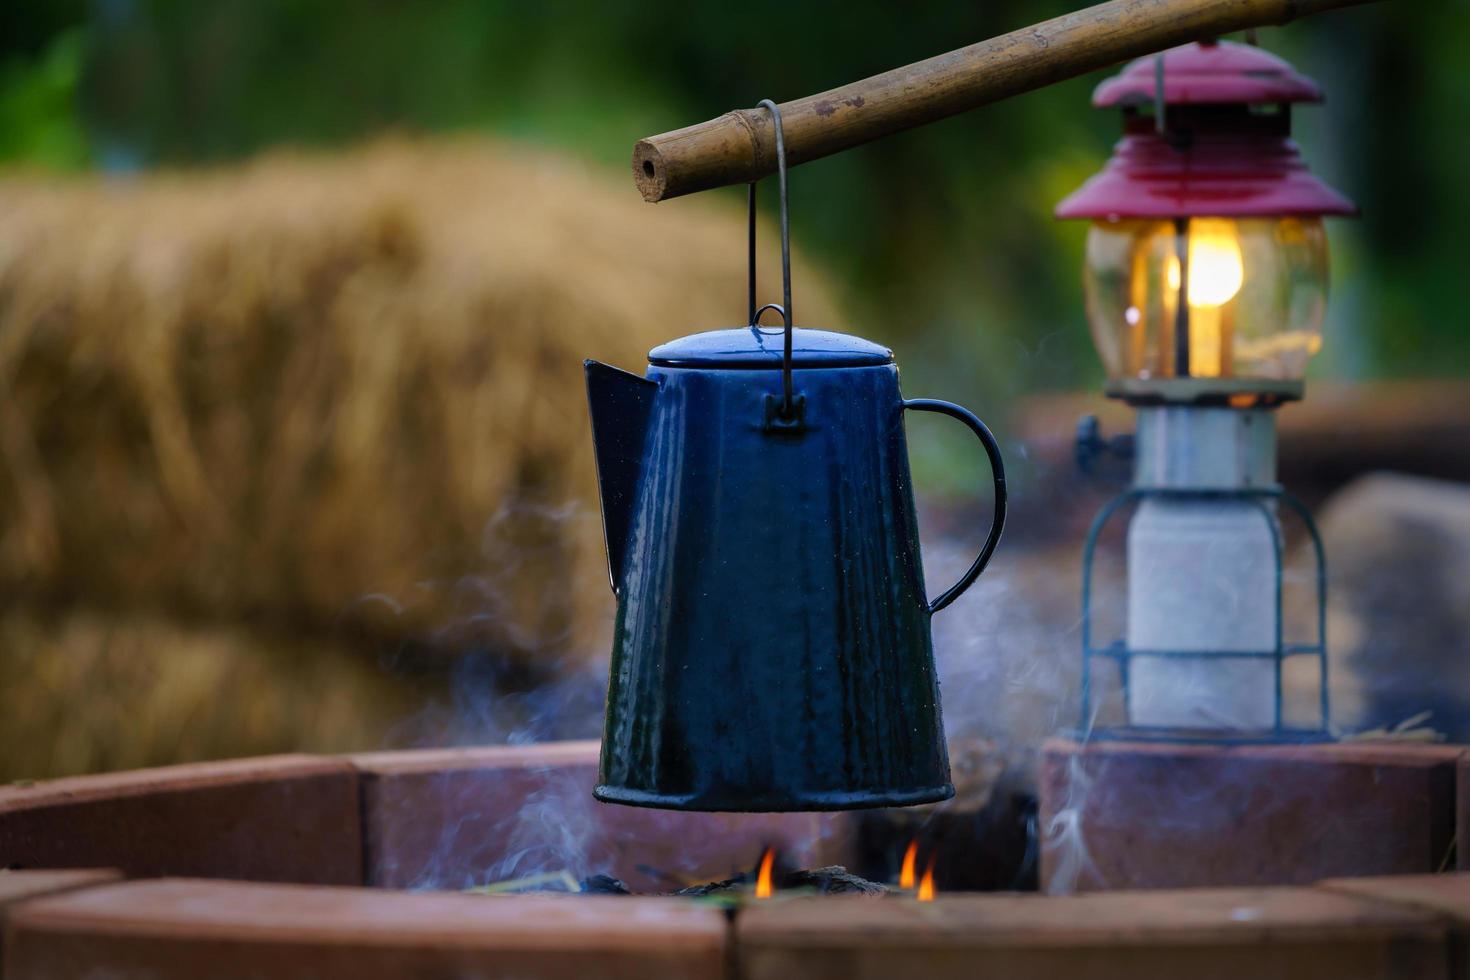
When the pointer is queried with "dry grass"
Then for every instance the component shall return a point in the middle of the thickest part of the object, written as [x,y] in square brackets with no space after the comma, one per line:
[274,391]
[84,692]
[260,418]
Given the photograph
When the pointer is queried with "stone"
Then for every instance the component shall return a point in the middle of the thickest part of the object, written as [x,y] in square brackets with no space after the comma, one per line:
[1398,553]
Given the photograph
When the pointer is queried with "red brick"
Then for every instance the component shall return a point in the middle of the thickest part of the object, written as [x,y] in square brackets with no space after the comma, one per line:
[282,818]
[450,818]
[1462,812]
[1131,815]
[1263,934]
[226,930]
[1447,894]
[18,886]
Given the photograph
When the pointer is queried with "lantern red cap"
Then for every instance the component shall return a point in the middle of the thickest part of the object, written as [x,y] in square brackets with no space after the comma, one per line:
[1218,72]
[1218,157]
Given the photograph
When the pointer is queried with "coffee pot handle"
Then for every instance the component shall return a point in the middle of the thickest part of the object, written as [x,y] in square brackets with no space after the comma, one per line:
[998,470]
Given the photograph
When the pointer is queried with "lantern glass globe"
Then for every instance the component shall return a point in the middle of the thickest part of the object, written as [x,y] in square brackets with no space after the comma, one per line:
[1256,293]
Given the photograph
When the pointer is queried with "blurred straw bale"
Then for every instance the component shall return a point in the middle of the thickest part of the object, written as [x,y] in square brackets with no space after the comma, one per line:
[85,691]
[337,393]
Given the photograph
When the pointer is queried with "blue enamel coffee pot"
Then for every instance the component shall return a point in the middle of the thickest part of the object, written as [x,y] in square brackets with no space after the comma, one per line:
[771,649]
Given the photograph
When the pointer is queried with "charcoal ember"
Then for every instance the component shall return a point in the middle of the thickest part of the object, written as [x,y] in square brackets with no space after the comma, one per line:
[604,885]
[834,880]
[736,883]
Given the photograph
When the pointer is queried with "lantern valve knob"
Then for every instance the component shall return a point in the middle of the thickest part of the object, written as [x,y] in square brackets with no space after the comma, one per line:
[1092,445]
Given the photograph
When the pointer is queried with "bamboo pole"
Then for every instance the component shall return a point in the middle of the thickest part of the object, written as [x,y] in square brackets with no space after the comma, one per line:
[739,146]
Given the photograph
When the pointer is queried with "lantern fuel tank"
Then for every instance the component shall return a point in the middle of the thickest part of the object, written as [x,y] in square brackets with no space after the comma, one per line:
[772,647]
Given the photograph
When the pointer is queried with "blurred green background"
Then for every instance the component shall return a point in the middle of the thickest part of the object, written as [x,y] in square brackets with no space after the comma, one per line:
[939,240]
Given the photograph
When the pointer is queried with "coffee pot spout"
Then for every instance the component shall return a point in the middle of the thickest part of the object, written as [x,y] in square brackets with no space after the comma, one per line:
[621,404]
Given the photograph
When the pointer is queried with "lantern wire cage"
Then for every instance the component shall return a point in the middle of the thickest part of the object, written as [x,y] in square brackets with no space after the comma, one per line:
[1119,652]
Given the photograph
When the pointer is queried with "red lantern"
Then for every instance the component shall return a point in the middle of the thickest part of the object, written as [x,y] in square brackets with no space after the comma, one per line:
[1207,260]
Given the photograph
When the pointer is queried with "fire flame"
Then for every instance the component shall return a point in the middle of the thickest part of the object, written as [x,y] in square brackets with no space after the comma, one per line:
[926,887]
[763,887]
[906,876]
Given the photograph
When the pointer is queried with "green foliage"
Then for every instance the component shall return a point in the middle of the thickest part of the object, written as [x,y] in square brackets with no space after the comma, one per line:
[39,126]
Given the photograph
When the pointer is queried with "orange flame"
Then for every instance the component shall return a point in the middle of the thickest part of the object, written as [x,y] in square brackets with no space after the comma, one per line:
[926,887]
[763,887]
[907,877]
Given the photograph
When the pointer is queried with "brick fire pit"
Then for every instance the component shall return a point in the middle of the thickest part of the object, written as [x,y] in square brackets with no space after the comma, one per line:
[300,866]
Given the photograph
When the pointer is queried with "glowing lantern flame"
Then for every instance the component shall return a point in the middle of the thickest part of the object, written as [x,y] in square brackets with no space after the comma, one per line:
[1216,271]
[906,876]
[763,887]
[926,887]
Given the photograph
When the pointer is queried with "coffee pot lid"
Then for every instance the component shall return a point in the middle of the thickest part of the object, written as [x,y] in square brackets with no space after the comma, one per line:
[762,347]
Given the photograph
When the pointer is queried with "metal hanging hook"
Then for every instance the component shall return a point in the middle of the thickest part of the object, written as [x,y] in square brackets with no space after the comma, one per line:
[751,314]
[787,405]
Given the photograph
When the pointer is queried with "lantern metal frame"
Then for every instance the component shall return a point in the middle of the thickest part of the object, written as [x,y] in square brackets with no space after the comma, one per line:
[1119,652]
